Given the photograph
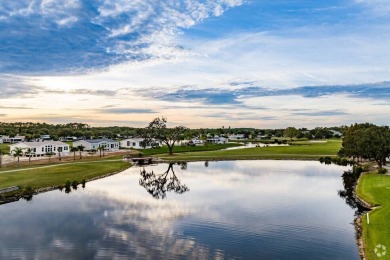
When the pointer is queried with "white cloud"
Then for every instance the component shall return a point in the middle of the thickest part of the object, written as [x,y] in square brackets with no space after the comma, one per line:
[381,7]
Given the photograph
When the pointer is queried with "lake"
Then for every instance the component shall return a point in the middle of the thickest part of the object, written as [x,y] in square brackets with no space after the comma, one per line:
[215,210]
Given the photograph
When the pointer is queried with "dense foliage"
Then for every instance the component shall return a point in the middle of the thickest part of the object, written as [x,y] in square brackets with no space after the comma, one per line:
[367,141]
[81,130]
[158,130]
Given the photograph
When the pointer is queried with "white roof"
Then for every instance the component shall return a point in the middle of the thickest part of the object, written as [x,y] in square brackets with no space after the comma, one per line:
[39,144]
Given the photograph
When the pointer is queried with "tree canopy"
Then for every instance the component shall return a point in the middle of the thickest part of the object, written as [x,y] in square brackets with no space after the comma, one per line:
[157,130]
[367,141]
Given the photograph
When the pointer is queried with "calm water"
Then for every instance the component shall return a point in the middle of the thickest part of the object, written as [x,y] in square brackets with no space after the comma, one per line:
[219,210]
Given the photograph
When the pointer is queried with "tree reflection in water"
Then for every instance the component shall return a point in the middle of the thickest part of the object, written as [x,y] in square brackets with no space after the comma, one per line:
[350,179]
[159,184]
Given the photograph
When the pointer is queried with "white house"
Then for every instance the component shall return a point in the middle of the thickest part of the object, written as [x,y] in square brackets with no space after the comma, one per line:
[237,137]
[41,148]
[94,144]
[217,140]
[68,139]
[12,140]
[137,143]
[195,141]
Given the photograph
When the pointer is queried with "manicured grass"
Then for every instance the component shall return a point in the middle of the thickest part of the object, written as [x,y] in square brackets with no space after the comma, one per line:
[375,189]
[4,148]
[183,149]
[306,150]
[55,175]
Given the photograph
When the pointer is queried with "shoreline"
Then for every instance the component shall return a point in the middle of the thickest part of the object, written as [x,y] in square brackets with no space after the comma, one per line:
[16,195]
[359,221]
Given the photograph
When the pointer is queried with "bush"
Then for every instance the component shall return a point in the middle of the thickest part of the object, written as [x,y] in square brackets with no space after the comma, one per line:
[67,186]
[382,171]
[83,183]
[27,193]
[75,184]
[357,169]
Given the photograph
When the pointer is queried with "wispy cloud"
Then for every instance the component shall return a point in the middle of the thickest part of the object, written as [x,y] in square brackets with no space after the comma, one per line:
[324,113]
[82,34]
[126,111]
[16,107]
[14,86]
[224,96]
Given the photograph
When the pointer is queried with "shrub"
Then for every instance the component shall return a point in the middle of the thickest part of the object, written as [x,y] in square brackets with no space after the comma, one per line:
[357,169]
[75,184]
[27,193]
[83,183]
[382,171]
[67,186]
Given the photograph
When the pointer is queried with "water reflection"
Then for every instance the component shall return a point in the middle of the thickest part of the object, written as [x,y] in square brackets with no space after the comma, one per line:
[350,179]
[159,184]
[235,210]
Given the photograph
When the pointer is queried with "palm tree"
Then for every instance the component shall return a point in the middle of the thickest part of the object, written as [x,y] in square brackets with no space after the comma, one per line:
[28,153]
[80,148]
[17,152]
[59,150]
[101,148]
[74,150]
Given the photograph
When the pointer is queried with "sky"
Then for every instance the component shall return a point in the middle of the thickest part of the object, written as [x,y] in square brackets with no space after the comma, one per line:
[204,63]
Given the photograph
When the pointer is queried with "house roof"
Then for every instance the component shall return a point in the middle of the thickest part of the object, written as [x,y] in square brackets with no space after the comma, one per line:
[39,144]
[96,141]
[134,139]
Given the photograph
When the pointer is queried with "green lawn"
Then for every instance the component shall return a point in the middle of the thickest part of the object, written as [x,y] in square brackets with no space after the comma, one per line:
[305,150]
[4,148]
[55,175]
[182,149]
[375,189]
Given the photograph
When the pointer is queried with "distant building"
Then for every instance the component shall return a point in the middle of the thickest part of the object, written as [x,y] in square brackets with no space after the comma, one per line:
[11,140]
[68,139]
[237,137]
[217,140]
[45,137]
[196,141]
[41,148]
[138,143]
[336,133]
[94,144]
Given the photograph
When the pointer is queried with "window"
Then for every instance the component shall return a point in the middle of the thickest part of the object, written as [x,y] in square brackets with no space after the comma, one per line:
[49,148]
[65,148]
[128,143]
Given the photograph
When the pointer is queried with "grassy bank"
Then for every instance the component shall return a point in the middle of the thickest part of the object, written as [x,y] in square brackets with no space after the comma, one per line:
[375,189]
[4,148]
[185,149]
[304,150]
[55,175]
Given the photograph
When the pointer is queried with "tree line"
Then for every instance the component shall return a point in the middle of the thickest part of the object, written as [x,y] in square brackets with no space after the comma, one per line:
[81,130]
[366,141]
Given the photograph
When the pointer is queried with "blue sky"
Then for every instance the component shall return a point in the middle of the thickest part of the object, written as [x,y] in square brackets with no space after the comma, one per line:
[207,63]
